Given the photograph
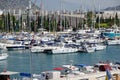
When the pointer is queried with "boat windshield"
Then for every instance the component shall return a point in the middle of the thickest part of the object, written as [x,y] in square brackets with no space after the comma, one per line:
[108,30]
[17,42]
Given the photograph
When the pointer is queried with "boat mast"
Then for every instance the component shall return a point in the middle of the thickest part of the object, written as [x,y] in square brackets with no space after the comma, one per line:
[20,20]
[99,16]
[81,12]
[41,14]
[30,31]
[115,14]
[60,15]
[30,14]
[93,16]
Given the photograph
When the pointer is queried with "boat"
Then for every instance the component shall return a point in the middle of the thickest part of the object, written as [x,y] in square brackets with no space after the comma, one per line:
[98,47]
[111,33]
[3,56]
[37,49]
[85,47]
[63,48]
[17,45]
[113,42]
[71,72]
[3,46]
[42,48]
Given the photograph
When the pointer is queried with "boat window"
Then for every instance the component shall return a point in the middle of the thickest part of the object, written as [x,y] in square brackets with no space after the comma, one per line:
[17,42]
[108,30]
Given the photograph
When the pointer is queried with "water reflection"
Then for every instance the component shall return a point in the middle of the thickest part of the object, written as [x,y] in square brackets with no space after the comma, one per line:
[3,65]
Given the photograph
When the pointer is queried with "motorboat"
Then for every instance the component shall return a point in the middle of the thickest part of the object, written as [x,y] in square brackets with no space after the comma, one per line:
[113,42]
[17,45]
[98,47]
[63,48]
[3,56]
[85,47]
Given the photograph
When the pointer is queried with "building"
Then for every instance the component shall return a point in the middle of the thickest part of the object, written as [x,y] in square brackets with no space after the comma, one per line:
[109,14]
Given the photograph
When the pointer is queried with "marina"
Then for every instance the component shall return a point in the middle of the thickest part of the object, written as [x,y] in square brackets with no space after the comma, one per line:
[59,40]
[27,62]
[32,55]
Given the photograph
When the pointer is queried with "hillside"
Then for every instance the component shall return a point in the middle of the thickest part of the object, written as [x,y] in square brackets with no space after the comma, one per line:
[113,8]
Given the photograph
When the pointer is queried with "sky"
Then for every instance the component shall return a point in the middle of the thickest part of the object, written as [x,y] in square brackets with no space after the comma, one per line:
[76,4]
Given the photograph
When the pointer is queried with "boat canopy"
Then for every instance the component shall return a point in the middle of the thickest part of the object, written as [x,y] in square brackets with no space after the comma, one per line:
[80,65]
[117,63]
[25,74]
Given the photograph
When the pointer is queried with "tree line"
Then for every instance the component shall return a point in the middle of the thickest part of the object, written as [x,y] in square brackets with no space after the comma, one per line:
[53,22]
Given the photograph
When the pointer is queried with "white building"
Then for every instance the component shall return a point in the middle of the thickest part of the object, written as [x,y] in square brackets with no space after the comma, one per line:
[108,14]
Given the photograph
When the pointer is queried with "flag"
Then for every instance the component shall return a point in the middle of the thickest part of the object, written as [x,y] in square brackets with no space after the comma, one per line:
[108,75]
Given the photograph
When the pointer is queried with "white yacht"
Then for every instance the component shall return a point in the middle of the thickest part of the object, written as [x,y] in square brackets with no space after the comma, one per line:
[113,42]
[99,47]
[37,49]
[17,45]
[86,48]
[58,50]
[63,48]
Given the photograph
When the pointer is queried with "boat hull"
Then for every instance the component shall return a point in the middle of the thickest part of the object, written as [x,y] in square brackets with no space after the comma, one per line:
[15,48]
[64,50]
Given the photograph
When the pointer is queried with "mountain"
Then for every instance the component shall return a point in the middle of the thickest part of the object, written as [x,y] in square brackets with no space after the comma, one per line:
[113,8]
[16,4]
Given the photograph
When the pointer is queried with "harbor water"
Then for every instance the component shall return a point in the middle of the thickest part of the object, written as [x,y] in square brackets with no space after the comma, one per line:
[25,61]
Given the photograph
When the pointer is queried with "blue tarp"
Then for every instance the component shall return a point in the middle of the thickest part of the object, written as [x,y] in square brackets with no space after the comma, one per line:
[117,63]
[25,74]
[81,65]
